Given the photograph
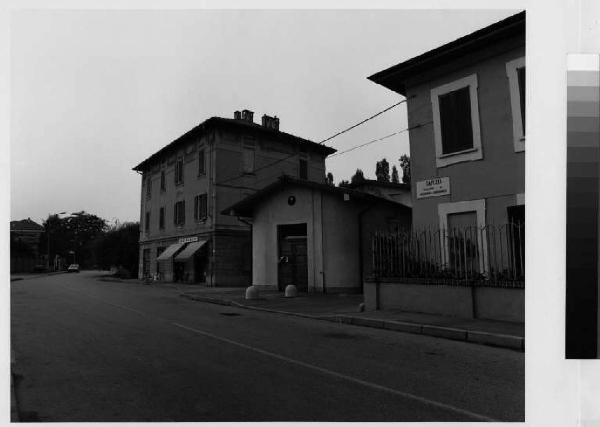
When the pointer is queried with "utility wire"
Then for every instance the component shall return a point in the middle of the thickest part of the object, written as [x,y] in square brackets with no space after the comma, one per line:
[378,139]
[333,155]
[364,121]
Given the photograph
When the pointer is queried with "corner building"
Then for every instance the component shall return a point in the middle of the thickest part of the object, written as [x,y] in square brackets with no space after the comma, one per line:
[186,185]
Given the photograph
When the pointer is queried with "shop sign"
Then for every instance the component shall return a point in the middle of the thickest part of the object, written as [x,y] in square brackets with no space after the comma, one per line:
[433,187]
[188,239]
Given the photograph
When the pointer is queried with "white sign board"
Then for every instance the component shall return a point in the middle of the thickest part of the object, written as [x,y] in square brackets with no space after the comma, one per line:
[188,239]
[433,187]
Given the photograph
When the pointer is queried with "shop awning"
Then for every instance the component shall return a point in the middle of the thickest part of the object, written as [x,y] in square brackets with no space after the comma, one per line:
[190,250]
[170,251]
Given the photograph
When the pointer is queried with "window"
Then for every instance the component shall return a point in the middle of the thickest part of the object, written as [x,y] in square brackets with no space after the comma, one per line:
[248,159]
[515,71]
[466,215]
[201,164]
[163,184]
[200,207]
[179,213]
[179,171]
[147,222]
[456,122]
[161,218]
[148,187]
[303,169]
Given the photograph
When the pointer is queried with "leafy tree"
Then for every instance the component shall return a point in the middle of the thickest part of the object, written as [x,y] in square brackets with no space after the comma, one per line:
[358,177]
[71,237]
[329,179]
[405,165]
[344,183]
[395,178]
[382,171]
[119,247]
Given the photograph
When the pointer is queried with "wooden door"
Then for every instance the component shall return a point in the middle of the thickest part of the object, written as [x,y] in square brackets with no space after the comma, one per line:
[293,261]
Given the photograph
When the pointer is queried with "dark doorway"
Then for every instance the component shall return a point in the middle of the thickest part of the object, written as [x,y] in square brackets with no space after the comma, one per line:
[146,263]
[293,258]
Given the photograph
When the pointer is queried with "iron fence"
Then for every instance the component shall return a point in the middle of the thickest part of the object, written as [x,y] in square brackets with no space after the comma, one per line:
[470,256]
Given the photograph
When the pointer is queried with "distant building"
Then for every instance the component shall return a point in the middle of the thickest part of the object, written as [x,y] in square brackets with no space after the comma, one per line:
[398,192]
[315,236]
[186,184]
[466,119]
[25,251]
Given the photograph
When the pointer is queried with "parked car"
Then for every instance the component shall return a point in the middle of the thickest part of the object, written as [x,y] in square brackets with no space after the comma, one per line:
[73,268]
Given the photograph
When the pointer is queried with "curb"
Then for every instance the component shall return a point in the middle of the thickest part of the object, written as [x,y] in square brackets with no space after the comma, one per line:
[511,342]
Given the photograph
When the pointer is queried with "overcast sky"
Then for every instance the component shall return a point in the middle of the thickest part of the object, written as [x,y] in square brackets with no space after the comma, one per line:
[93,93]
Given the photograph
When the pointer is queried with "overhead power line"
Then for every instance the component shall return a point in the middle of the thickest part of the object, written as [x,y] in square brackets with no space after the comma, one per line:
[378,139]
[364,121]
[332,155]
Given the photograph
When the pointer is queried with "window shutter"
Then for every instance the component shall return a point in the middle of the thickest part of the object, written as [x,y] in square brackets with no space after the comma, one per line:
[201,168]
[183,212]
[248,160]
[521,78]
[196,208]
[455,117]
[303,169]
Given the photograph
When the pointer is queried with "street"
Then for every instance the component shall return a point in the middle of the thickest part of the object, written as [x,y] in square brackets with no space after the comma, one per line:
[92,350]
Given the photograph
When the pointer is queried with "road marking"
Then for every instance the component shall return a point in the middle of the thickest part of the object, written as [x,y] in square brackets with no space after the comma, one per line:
[406,395]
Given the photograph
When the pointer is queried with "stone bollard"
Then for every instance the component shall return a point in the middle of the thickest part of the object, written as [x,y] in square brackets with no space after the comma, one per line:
[361,307]
[252,292]
[291,291]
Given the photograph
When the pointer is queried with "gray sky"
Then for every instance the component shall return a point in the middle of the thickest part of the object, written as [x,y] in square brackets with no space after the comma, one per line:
[93,93]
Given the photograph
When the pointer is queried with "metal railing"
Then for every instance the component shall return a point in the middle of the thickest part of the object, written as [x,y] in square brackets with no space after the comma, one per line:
[470,256]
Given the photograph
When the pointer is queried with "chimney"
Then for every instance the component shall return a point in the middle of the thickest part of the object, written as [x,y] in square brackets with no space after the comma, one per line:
[248,116]
[237,115]
[270,122]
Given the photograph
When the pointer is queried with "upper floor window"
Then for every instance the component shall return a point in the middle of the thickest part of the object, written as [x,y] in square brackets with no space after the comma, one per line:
[248,158]
[303,169]
[147,222]
[515,71]
[148,187]
[201,162]
[456,121]
[163,184]
[179,171]
[179,213]
[161,218]
[200,207]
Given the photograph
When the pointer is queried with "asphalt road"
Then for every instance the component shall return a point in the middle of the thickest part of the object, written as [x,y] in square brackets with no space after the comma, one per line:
[90,350]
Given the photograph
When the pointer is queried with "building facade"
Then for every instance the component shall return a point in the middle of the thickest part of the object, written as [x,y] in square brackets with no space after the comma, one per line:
[185,186]
[466,115]
[315,236]
[466,121]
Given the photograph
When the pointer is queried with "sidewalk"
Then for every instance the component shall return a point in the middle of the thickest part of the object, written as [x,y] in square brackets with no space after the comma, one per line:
[345,309]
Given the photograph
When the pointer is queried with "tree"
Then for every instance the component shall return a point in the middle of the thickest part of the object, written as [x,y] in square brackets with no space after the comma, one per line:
[395,178]
[72,237]
[405,165]
[329,179]
[382,171]
[118,246]
[344,183]
[358,177]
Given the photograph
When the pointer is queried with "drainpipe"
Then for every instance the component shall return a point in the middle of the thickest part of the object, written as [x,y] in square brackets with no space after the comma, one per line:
[322,246]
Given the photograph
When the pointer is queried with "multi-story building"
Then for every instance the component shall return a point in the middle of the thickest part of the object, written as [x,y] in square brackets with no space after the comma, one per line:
[466,120]
[186,184]
[466,114]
